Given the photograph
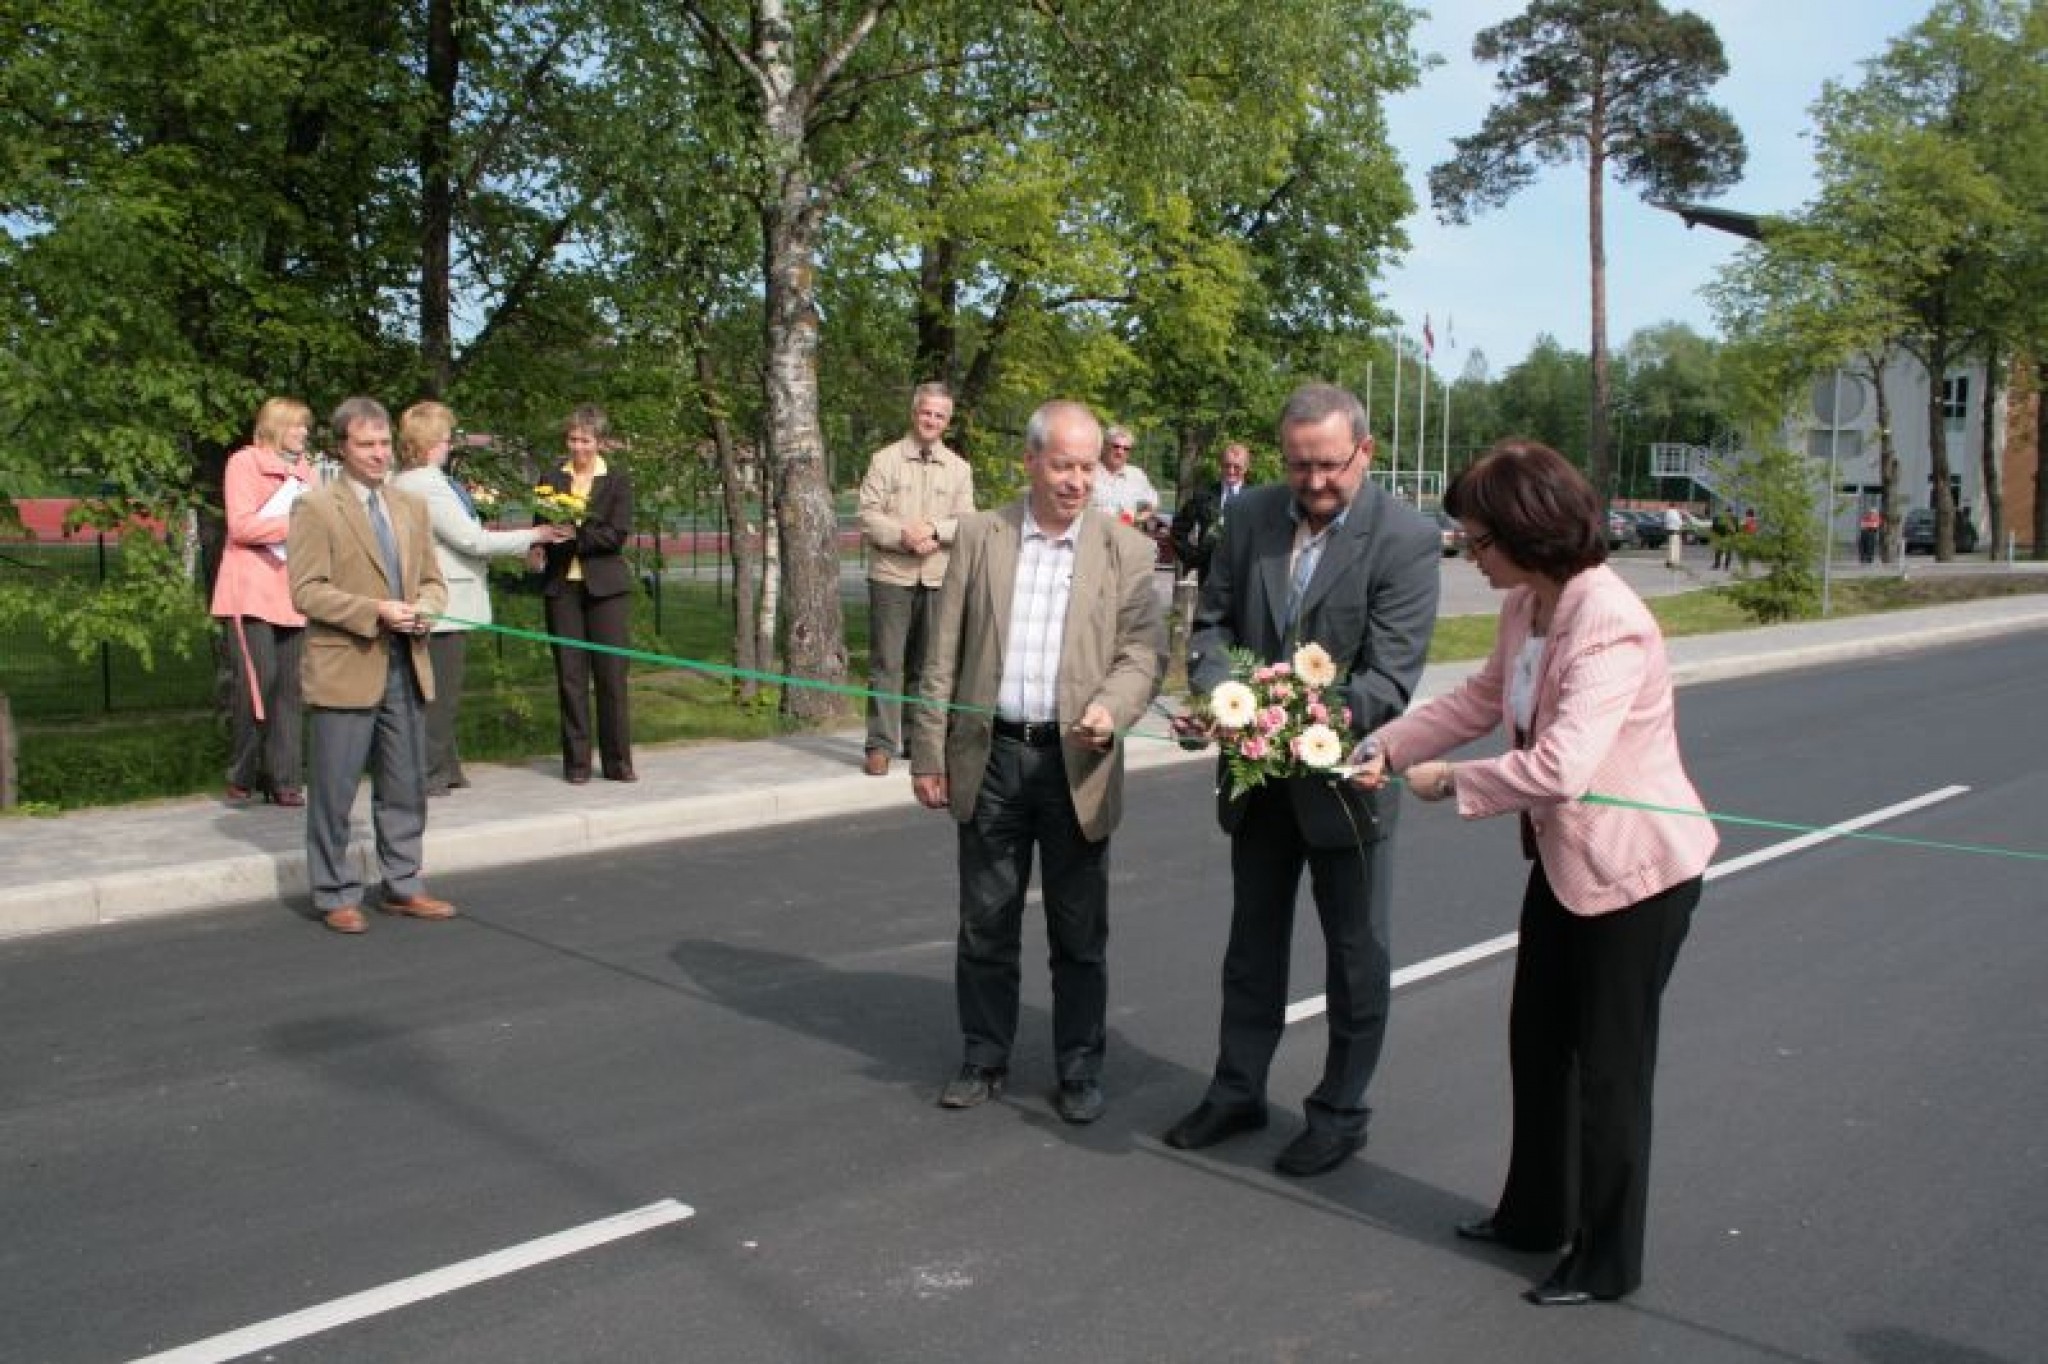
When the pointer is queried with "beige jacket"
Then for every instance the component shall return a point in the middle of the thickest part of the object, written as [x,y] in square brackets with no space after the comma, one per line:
[1110,653]
[337,576]
[901,487]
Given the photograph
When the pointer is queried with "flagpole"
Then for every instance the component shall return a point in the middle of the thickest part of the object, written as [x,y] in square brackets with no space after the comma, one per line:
[1394,472]
[1422,413]
[1446,441]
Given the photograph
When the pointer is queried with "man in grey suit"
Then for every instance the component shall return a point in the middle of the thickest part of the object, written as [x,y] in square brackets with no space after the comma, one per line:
[363,573]
[1045,644]
[1327,558]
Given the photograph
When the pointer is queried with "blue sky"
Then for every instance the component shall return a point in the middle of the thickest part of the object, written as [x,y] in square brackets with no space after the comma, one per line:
[1519,271]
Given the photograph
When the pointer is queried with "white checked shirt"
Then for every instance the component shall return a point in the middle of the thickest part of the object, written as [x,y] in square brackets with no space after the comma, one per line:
[1038,624]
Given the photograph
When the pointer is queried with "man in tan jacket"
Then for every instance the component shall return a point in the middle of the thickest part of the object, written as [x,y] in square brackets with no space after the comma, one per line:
[911,502]
[365,576]
[1046,645]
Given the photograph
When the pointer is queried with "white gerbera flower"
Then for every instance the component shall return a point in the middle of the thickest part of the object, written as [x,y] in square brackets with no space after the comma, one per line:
[1313,664]
[1319,746]
[1232,705]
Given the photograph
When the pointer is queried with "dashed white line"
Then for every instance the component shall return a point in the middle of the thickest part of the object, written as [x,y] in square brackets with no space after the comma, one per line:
[1494,947]
[392,1296]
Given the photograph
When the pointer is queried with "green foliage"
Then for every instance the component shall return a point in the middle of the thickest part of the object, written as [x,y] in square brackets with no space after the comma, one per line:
[1780,485]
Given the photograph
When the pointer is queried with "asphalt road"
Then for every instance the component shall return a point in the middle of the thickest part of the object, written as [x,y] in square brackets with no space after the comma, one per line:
[213,1122]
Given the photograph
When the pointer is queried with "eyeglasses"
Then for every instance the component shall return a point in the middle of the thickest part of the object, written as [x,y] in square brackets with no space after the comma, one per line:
[1478,545]
[1310,468]
[1120,445]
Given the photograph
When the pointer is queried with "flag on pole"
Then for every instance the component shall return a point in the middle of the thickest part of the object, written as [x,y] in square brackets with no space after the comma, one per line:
[1428,338]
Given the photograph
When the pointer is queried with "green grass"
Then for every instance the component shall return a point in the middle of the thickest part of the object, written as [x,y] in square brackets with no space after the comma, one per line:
[69,761]
[70,757]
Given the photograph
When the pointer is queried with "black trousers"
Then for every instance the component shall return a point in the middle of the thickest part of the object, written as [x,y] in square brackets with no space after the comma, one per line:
[267,753]
[574,613]
[1025,804]
[1582,1048]
[1350,886]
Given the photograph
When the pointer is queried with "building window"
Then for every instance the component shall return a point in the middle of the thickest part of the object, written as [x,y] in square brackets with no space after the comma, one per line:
[1955,399]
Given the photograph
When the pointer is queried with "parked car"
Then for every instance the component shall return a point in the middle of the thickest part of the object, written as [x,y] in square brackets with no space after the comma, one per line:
[1621,529]
[1650,532]
[1919,532]
[1160,527]
[1449,532]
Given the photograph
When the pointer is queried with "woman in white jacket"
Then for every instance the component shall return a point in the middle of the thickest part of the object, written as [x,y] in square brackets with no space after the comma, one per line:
[425,433]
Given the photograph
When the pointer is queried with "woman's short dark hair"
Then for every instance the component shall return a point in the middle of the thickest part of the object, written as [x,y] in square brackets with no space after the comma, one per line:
[1541,512]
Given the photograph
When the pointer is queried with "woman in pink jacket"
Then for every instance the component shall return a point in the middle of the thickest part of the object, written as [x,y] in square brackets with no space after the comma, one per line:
[252,596]
[1578,680]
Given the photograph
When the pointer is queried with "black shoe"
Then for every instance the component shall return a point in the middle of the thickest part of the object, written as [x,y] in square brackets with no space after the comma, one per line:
[1550,1293]
[1316,1151]
[1487,1230]
[1209,1124]
[1079,1101]
[973,1086]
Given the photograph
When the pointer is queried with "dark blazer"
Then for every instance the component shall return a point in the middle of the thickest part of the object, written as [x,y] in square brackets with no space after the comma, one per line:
[601,537]
[1372,604]
[1196,525]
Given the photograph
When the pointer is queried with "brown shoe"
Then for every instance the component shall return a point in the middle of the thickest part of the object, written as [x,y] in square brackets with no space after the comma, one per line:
[290,796]
[347,919]
[877,764]
[417,907]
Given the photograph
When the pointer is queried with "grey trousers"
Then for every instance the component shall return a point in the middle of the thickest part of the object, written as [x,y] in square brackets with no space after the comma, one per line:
[897,618]
[449,651]
[265,658]
[389,739]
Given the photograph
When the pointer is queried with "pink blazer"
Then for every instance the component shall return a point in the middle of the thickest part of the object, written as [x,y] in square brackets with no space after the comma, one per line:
[252,581]
[1603,724]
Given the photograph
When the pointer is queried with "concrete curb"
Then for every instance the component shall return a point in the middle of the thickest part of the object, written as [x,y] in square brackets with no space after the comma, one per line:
[252,878]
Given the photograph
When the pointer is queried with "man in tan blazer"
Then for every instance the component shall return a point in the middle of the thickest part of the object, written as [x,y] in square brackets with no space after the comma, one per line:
[364,574]
[1046,644]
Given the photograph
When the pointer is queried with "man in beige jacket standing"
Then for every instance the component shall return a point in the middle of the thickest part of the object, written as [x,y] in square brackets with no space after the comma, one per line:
[911,502]
[1045,649]
[364,574]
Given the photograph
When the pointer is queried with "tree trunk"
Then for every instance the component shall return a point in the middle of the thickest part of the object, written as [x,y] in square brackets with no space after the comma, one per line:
[1939,497]
[1888,546]
[1994,486]
[740,547]
[437,197]
[1599,459]
[808,525]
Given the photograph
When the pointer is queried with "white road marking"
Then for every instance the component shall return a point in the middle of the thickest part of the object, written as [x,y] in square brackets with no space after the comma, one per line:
[1494,947]
[405,1292]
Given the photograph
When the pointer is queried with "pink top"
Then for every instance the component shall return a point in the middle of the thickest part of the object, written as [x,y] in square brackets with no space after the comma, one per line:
[252,579]
[1604,724]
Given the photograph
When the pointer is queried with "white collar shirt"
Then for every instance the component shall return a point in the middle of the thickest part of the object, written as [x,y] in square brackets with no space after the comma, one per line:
[1038,624]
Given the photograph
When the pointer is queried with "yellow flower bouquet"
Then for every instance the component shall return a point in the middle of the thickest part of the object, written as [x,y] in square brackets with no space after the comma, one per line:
[558,506]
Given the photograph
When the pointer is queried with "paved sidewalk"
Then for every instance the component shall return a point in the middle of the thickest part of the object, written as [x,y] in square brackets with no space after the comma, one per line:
[105,866]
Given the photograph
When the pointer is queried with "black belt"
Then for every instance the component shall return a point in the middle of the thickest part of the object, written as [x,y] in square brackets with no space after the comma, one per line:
[1031,733]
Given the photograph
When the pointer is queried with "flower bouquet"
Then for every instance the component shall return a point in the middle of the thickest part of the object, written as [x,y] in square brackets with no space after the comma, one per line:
[558,506]
[1274,719]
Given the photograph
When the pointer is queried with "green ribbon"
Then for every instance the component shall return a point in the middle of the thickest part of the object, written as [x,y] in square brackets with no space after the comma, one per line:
[1749,821]
[849,689]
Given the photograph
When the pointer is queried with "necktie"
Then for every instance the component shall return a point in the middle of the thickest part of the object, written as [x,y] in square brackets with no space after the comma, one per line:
[387,542]
[1304,569]
[462,495]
